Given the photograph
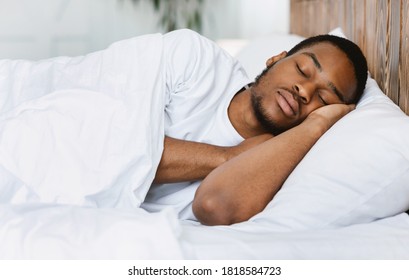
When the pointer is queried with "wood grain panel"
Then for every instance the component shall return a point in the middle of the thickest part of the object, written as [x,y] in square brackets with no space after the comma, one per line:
[336,14]
[370,34]
[404,58]
[379,27]
[379,48]
[392,82]
[349,18]
[359,16]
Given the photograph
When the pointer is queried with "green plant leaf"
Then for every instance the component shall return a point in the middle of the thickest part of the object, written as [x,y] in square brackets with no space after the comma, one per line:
[178,13]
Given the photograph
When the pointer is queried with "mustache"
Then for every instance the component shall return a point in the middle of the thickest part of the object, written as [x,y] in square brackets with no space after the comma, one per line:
[264,72]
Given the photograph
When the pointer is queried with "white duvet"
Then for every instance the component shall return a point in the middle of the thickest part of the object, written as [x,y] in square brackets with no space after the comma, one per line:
[44,231]
[80,140]
[84,131]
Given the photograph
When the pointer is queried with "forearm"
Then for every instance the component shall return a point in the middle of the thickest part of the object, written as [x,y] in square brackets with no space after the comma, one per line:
[243,186]
[189,161]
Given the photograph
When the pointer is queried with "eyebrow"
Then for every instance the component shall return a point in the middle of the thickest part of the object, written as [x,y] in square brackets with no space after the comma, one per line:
[336,91]
[314,59]
[319,67]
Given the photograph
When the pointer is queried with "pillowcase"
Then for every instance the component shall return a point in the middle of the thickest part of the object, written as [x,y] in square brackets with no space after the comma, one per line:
[357,172]
[254,55]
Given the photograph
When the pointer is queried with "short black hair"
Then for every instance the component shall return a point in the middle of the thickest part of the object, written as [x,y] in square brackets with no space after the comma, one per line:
[352,51]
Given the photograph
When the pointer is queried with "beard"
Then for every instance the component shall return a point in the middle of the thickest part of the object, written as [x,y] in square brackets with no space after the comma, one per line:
[265,120]
[262,116]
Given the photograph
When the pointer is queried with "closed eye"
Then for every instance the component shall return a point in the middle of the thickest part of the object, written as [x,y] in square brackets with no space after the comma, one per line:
[322,100]
[300,71]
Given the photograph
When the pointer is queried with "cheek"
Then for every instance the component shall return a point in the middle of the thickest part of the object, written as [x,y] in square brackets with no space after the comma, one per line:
[269,78]
[264,91]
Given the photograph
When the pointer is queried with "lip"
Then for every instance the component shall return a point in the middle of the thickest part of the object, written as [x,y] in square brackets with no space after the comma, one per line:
[287,103]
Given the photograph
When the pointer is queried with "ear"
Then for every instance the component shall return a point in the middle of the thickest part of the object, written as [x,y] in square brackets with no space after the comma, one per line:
[275,58]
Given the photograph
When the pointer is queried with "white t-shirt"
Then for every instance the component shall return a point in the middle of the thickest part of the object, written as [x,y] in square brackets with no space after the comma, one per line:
[201,80]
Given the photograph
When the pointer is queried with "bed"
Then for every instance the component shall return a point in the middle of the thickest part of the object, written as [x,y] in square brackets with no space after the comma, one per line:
[343,203]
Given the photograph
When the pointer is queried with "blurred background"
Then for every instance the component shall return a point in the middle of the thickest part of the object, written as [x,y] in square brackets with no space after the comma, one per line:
[37,29]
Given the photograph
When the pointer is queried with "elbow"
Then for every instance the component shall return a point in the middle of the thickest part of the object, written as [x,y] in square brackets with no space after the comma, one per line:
[211,210]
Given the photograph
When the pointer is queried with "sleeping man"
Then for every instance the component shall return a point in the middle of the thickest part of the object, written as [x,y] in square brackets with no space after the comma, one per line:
[171,109]
[244,138]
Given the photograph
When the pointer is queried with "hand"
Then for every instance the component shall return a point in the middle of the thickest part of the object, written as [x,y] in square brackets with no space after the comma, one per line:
[328,115]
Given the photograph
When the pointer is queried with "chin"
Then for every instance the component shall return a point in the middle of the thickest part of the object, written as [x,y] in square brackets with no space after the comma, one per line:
[264,117]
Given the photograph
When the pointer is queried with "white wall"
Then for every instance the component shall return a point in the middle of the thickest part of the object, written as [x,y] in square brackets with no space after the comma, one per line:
[246,19]
[261,17]
[35,29]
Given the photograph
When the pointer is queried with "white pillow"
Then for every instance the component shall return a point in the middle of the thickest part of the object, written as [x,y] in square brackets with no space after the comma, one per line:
[254,55]
[357,172]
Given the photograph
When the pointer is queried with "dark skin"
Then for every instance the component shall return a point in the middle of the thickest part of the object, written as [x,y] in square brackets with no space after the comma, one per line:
[301,97]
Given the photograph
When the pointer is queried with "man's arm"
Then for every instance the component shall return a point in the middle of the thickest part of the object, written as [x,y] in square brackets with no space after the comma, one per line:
[243,186]
[188,161]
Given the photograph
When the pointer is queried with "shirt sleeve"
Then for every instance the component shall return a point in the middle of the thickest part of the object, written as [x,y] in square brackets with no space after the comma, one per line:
[196,66]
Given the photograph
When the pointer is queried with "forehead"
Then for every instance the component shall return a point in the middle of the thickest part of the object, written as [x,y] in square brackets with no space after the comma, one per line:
[335,66]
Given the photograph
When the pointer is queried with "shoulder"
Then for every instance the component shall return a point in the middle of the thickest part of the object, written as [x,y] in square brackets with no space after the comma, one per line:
[187,46]
[184,34]
[189,39]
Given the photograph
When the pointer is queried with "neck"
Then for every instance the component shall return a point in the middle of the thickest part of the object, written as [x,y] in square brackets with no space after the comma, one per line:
[242,117]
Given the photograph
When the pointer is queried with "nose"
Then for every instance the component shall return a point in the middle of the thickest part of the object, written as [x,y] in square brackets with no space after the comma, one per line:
[305,91]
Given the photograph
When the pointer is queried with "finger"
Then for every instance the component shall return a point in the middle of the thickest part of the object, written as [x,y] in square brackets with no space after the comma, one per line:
[351,107]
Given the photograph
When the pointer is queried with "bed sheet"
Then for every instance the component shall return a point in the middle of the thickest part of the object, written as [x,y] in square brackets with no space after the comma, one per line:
[46,231]
[383,239]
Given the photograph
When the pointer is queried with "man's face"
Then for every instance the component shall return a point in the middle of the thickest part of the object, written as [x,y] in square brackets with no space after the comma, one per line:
[296,85]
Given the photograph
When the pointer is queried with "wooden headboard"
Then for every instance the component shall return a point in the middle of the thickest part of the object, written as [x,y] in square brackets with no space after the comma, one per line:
[379,27]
